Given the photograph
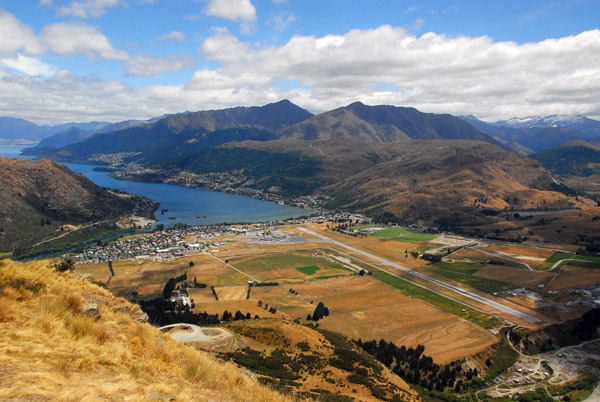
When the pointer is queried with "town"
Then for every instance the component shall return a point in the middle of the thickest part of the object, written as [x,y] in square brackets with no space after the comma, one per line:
[168,243]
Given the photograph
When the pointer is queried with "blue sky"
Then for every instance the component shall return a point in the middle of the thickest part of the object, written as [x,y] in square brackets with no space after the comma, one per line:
[81,60]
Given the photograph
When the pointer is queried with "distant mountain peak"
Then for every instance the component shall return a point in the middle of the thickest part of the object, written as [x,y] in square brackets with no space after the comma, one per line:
[557,120]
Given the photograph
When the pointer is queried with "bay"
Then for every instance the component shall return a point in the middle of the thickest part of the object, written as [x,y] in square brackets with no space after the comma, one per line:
[187,205]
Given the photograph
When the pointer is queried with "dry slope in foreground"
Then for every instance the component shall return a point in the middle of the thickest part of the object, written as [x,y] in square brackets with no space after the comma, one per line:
[54,346]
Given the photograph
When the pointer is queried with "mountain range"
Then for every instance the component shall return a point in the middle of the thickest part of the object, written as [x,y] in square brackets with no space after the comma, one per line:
[14,129]
[538,133]
[366,123]
[177,135]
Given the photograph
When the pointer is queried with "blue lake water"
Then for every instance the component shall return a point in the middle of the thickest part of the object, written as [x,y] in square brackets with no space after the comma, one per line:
[185,204]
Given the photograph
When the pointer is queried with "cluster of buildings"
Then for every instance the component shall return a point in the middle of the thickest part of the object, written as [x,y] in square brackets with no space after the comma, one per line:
[590,294]
[170,243]
[158,245]
[225,182]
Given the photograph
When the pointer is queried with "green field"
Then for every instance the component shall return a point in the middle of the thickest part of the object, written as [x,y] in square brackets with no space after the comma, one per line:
[462,272]
[310,270]
[585,261]
[403,235]
[306,266]
[446,304]
[466,268]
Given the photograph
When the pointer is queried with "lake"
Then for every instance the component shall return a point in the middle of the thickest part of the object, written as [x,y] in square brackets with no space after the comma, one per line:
[186,205]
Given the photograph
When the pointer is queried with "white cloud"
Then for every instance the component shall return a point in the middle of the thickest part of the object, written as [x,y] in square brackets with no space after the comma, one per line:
[16,36]
[28,65]
[234,10]
[282,21]
[87,8]
[224,46]
[418,24]
[148,66]
[173,35]
[71,38]
[45,2]
[434,72]
[385,65]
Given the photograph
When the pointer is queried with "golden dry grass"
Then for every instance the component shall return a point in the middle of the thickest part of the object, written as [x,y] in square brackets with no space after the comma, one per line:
[52,351]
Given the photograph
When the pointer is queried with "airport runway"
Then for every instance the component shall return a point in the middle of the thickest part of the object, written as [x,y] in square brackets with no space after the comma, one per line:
[456,289]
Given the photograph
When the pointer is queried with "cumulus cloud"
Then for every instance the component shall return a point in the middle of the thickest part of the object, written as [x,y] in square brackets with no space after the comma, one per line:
[28,65]
[234,10]
[148,66]
[282,21]
[173,35]
[87,8]
[16,36]
[70,38]
[434,72]
[385,65]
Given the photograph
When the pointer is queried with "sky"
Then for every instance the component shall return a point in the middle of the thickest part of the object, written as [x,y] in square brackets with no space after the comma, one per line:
[114,60]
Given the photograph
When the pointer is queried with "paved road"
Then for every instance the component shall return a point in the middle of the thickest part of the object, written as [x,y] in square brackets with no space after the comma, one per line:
[456,289]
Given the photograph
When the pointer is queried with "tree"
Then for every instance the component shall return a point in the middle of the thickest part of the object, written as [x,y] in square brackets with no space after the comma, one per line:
[169,288]
[65,265]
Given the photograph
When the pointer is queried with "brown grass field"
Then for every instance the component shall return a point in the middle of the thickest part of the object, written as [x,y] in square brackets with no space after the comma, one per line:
[201,296]
[517,276]
[53,351]
[522,250]
[360,306]
[232,293]
[365,308]
[571,277]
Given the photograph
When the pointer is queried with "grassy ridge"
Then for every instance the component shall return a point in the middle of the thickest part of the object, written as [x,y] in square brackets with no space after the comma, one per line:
[70,354]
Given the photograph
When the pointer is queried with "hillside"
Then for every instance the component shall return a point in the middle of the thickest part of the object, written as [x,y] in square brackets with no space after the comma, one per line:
[433,182]
[64,138]
[314,363]
[64,338]
[176,135]
[377,124]
[39,198]
[576,158]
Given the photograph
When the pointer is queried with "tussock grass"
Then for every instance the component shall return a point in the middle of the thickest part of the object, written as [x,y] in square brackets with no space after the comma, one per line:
[52,351]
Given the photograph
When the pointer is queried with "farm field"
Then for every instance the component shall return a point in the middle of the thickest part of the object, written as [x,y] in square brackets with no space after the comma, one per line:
[464,273]
[364,307]
[584,261]
[404,235]
[516,276]
[290,267]
[406,310]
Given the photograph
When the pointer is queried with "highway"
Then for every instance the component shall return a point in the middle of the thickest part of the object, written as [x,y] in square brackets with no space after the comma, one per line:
[456,289]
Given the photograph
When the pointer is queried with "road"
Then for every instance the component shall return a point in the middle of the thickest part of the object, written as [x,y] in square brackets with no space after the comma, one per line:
[456,289]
